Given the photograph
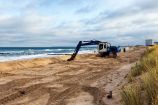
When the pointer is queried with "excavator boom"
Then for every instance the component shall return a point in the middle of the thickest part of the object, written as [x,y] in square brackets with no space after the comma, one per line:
[82,43]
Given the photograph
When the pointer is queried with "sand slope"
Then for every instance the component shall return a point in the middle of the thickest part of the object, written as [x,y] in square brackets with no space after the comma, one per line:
[54,81]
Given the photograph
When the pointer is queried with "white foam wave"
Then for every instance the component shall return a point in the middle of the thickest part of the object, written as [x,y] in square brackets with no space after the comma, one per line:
[23,57]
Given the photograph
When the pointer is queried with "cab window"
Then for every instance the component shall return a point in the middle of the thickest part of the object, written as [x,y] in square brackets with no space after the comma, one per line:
[100,46]
[105,46]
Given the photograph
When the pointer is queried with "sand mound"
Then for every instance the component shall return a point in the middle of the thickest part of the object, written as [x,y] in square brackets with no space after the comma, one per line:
[22,64]
[38,62]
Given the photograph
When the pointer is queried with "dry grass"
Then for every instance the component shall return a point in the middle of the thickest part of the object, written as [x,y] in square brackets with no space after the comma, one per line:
[150,87]
[147,70]
[131,95]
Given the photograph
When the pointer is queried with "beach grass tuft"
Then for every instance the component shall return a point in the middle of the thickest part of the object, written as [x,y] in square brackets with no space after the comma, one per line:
[131,95]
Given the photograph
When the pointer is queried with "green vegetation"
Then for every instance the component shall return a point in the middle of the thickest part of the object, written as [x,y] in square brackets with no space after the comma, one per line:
[145,72]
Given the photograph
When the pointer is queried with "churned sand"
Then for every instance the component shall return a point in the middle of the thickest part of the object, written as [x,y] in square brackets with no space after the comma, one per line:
[55,81]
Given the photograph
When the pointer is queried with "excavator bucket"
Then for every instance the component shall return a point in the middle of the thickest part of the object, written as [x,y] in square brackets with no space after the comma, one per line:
[72,57]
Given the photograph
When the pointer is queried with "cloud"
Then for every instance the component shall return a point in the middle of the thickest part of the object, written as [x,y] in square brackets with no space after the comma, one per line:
[65,22]
[138,21]
[147,4]
[86,9]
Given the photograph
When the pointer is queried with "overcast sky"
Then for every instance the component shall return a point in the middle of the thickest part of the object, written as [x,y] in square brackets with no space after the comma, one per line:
[65,22]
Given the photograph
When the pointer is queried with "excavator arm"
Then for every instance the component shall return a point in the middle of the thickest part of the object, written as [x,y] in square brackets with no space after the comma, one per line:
[82,43]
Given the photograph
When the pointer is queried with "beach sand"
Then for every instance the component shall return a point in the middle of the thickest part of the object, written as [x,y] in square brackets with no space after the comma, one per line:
[55,81]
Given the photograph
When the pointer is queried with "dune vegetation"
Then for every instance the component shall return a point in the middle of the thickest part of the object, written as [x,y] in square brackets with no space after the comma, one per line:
[143,80]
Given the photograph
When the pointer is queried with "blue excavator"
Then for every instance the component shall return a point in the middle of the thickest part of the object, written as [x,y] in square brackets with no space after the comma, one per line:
[104,48]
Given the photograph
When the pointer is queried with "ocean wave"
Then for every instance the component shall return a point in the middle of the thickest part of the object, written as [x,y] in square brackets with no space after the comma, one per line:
[30,53]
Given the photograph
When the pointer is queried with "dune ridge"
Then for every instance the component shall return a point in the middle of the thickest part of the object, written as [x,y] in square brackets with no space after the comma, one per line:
[22,64]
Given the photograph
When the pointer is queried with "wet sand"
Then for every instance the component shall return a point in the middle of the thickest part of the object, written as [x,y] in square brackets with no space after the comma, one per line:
[55,81]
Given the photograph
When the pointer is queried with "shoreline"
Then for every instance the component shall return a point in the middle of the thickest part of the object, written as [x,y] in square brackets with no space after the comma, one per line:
[36,62]
[42,61]
[29,57]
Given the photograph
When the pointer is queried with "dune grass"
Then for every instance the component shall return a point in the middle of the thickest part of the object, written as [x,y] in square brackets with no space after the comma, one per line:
[131,95]
[147,72]
[150,87]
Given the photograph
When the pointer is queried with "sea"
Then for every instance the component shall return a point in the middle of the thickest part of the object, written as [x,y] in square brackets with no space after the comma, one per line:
[20,53]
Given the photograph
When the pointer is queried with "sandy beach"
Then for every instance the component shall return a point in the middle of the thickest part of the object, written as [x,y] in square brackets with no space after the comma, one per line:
[55,81]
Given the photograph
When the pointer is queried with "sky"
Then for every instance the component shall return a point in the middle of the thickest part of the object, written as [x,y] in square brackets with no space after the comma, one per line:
[46,23]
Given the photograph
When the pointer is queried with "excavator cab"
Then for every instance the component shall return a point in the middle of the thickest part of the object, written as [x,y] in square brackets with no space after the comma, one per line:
[103,47]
